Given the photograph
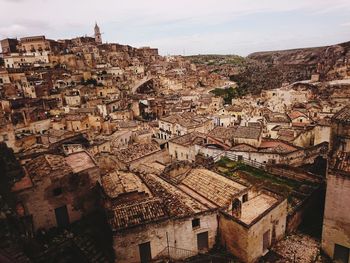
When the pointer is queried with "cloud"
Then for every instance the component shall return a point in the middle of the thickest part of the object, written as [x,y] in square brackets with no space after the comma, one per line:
[23,27]
[345,24]
[196,26]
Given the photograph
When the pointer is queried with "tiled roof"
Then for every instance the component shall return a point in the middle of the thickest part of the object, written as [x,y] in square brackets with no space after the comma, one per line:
[234,108]
[119,182]
[132,214]
[247,132]
[48,165]
[244,147]
[276,146]
[176,202]
[277,117]
[136,151]
[212,186]
[343,115]
[75,117]
[190,139]
[296,114]
[341,162]
[186,119]
[222,133]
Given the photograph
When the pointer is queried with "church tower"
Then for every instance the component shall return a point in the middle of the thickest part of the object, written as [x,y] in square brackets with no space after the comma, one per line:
[98,38]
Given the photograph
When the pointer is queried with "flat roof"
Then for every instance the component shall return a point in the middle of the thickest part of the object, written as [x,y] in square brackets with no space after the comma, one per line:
[256,206]
[80,161]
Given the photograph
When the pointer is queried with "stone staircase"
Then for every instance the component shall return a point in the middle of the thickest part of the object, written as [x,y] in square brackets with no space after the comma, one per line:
[13,254]
[89,249]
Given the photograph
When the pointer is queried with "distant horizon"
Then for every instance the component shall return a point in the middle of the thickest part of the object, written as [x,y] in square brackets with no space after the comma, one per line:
[188,55]
[185,28]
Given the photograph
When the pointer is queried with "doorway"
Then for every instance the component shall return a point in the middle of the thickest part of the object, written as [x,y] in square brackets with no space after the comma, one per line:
[266,240]
[145,252]
[341,254]
[62,217]
[202,241]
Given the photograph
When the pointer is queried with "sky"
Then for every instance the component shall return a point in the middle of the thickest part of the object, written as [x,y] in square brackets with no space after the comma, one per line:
[185,27]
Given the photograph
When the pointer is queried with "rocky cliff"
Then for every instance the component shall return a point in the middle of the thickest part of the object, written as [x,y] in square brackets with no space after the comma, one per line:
[330,62]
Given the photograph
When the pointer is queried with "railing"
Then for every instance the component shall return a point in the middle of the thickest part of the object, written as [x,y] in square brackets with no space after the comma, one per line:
[281,172]
[239,158]
[173,253]
[170,252]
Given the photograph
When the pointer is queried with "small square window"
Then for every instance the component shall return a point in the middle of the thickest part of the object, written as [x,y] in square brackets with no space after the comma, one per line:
[196,223]
[57,191]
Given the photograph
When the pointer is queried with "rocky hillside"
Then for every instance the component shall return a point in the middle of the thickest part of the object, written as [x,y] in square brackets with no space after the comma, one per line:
[268,70]
[330,62]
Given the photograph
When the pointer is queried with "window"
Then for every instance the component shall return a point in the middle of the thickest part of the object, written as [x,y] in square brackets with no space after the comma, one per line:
[196,223]
[341,253]
[57,191]
[245,198]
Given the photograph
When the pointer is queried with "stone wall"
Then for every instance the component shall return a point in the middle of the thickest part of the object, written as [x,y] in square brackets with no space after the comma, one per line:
[180,152]
[246,242]
[297,215]
[233,236]
[178,233]
[274,222]
[78,194]
[336,222]
[161,156]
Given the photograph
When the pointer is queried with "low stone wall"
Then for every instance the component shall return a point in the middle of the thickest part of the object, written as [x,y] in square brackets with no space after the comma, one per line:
[296,216]
[161,156]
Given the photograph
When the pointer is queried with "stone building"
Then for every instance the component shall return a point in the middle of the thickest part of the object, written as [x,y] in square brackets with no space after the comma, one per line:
[182,147]
[9,45]
[177,125]
[98,38]
[238,135]
[152,219]
[336,231]
[341,130]
[185,147]
[57,190]
[249,220]
[131,156]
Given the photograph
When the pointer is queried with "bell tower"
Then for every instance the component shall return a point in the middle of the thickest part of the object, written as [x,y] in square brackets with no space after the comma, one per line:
[98,38]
